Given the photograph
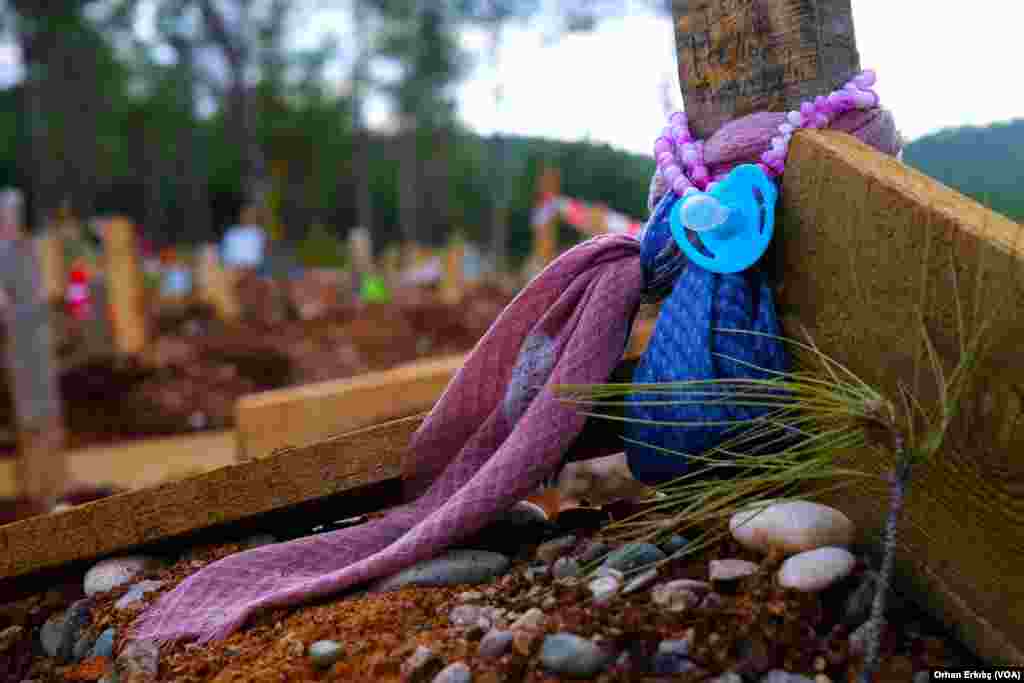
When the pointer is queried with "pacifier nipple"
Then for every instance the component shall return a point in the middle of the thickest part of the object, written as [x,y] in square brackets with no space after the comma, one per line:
[702,212]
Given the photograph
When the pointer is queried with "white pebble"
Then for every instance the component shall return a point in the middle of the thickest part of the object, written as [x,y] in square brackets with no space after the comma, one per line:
[730,570]
[816,570]
[790,526]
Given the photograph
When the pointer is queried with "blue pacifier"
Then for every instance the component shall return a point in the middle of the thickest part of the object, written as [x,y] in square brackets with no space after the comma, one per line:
[734,221]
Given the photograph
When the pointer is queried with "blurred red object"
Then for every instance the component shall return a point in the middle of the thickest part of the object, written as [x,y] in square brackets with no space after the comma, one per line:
[79,304]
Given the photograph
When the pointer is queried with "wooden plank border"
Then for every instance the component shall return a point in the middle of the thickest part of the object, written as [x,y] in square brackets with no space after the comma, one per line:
[866,243]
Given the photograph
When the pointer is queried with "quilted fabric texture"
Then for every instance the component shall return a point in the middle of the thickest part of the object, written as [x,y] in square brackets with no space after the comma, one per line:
[479,451]
[690,342]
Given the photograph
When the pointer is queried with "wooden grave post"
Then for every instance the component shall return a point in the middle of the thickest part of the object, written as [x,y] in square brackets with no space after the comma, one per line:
[30,351]
[865,245]
[545,235]
[52,268]
[215,285]
[125,286]
[453,285]
[360,247]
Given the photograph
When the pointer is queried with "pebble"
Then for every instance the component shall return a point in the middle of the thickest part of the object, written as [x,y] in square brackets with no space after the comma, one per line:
[324,653]
[567,653]
[470,596]
[674,544]
[469,615]
[536,571]
[780,676]
[565,567]
[421,665]
[549,551]
[452,568]
[667,664]
[136,592]
[523,513]
[711,601]
[679,647]
[815,570]
[791,527]
[634,555]
[727,677]
[525,641]
[604,588]
[730,570]
[549,602]
[457,672]
[138,661]
[116,571]
[640,581]
[104,646]
[83,646]
[61,632]
[594,550]
[676,596]
[495,643]
[533,618]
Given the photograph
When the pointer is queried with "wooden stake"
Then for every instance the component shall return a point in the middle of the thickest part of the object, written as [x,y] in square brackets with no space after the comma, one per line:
[453,286]
[740,56]
[125,286]
[215,284]
[42,470]
[52,269]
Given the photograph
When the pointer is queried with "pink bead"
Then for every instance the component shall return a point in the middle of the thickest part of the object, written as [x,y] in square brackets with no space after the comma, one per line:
[699,175]
[865,79]
[671,173]
[666,159]
[821,121]
[662,146]
[865,99]
[821,103]
[681,185]
[795,119]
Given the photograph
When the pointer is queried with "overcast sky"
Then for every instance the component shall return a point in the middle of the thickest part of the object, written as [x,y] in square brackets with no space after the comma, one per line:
[939,64]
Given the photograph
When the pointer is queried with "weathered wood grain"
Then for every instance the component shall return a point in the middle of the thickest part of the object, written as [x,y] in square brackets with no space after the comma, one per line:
[227,494]
[736,57]
[867,246]
[41,469]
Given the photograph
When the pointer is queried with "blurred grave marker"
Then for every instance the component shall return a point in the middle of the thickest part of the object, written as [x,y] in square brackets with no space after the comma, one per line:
[216,287]
[125,286]
[453,283]
[41,469]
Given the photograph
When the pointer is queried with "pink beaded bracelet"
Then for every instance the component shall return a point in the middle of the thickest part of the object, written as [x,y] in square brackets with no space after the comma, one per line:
[680,157]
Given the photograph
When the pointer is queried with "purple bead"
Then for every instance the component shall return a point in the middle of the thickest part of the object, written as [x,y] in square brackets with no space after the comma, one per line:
[807,109]
[865,99]
[671,173]
[699,175]
[768,170]
[821,121]
[821,103]
[681,185]
[836,103]
[666,159]
[851,87]
[778,143]
[786,129]
[677,132]
[690,155]
[677,118]
[865,79]
[662,146]
[795,119]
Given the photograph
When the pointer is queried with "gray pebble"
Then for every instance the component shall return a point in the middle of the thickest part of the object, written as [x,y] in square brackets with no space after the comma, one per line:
[469,615]
[83,646]
[470,596]
[567,653]
[604,588]
[780,676]
[421,665]
[640,581]
[536,571]
[51,635]
[532,619]
[324,653]
[565,567]
[136,592]
[634,555]
[727,677]
[113,572]
[139,660]
[666,664]
[680,647]
[61,632]
[457,672]
[550,551]
[104,646]
[674,544]
[495,643]
[452,568]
